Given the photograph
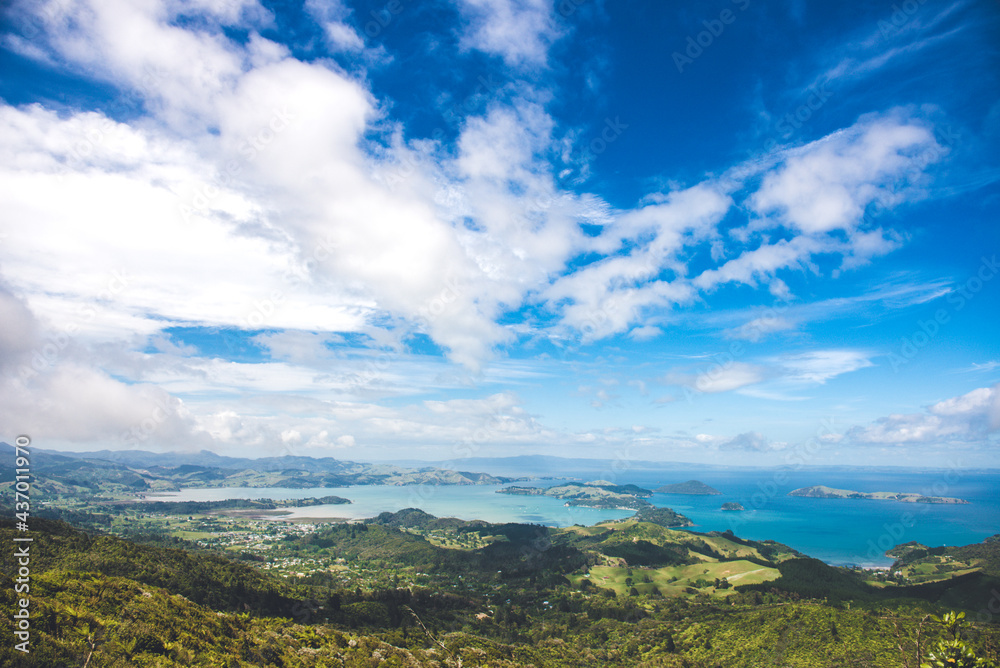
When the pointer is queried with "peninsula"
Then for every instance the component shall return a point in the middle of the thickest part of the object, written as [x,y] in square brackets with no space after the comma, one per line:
[824,492]
[594,494]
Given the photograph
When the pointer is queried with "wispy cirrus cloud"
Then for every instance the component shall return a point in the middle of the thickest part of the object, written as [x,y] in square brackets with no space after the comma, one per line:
[822,365]
[992,365]
[789,315]
[779,373]
[720,378]
[897,36]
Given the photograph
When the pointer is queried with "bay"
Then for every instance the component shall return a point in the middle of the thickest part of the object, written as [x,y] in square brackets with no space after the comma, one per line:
[468,502]
[837,531]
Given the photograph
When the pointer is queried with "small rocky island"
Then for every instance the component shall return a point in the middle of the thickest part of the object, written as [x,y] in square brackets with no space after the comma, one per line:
[689,487]
[824,492]
[594,494]
[732,505]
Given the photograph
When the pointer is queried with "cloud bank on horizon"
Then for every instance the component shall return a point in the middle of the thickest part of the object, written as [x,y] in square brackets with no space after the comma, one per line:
[374,230]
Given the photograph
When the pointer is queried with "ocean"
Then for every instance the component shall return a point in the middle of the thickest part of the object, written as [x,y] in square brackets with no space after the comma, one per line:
[837,531]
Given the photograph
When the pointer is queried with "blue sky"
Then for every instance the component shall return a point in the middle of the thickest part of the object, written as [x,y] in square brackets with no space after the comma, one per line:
[732,232]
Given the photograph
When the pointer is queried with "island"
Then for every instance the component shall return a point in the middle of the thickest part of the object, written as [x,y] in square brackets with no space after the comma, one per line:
[732,505]
[689,487]
[824,492]
[664,517]
[594,494]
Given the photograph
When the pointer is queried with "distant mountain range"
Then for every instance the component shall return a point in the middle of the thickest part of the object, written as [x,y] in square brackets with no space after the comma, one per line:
[138,471]
[560,466]
[209,459]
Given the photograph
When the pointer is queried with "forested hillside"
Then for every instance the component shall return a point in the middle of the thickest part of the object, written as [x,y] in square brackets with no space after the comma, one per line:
[409,589]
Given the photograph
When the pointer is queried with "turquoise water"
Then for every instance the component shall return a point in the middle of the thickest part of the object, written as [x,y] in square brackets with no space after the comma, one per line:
[838,531]
[473,502]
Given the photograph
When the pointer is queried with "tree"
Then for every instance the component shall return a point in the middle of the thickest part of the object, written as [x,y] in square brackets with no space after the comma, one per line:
[954,653]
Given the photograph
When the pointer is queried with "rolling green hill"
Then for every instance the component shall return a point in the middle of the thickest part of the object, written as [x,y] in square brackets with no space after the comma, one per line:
[410,589]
